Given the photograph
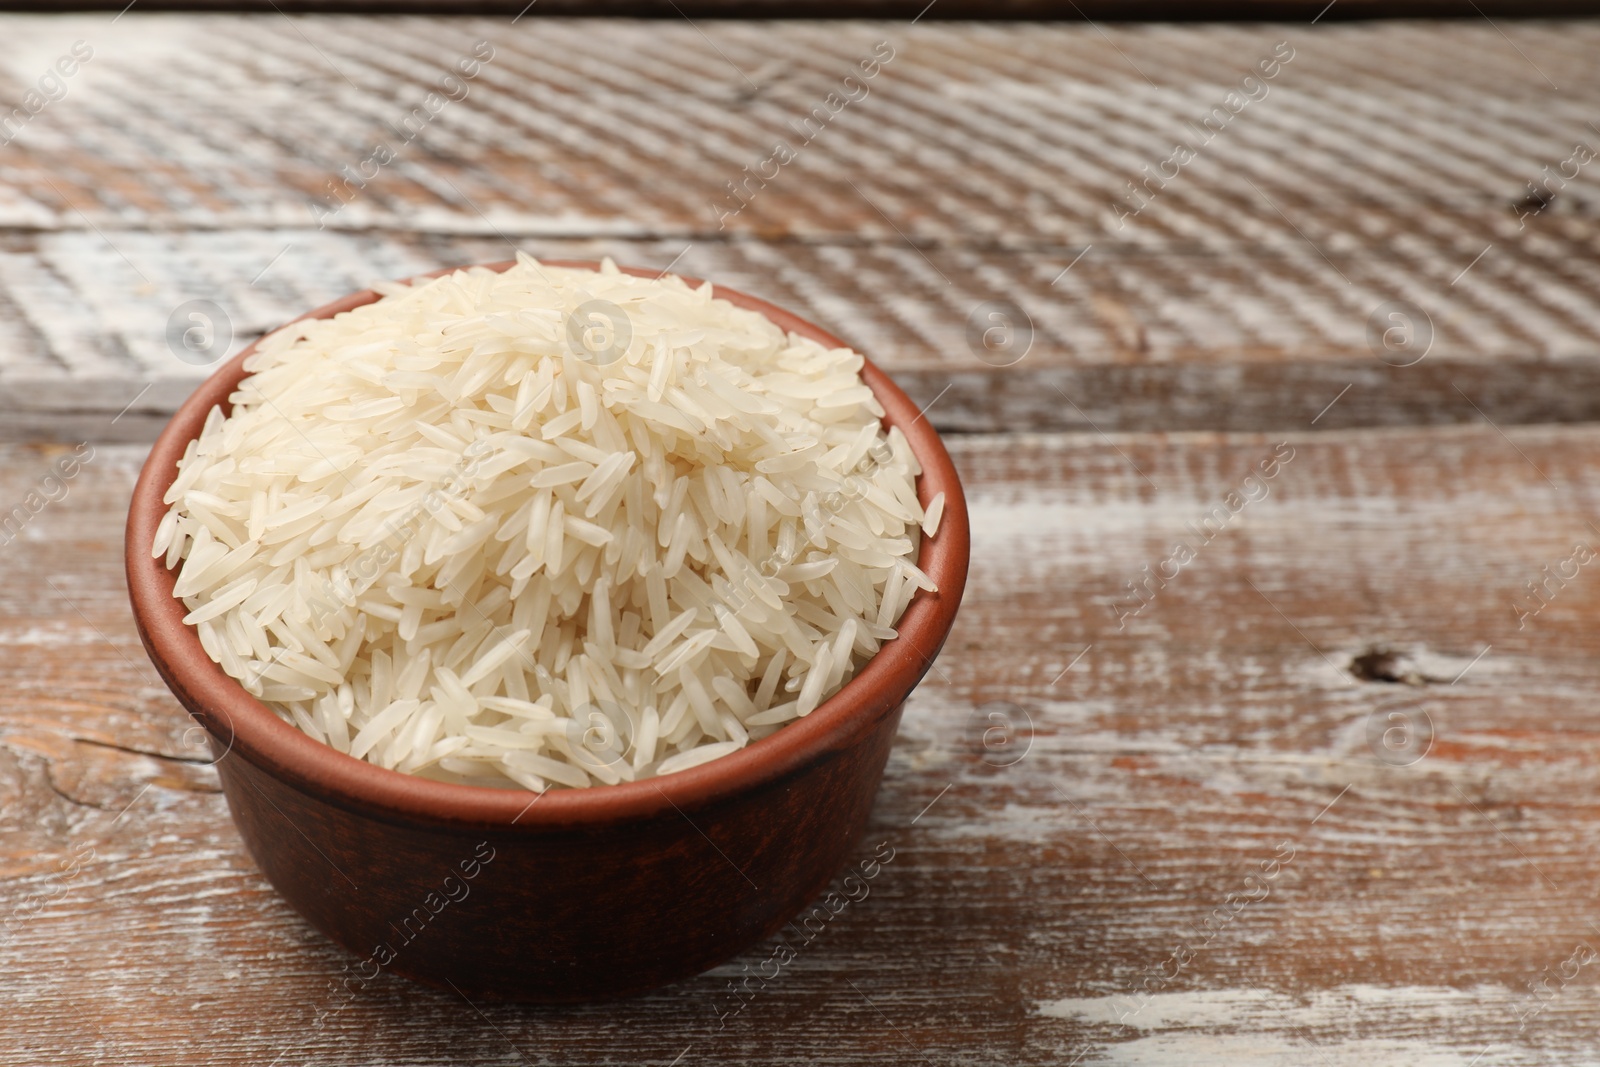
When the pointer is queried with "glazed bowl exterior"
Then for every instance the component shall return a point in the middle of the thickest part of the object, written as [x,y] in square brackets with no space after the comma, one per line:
[575,894]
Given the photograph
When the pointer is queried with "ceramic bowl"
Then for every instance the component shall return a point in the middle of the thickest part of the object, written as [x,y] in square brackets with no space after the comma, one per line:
[575,894]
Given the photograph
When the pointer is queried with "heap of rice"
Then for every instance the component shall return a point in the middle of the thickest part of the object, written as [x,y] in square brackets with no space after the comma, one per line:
[488,530]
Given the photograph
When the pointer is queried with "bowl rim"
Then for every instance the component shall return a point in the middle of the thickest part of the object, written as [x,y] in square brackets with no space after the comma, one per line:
[240,725]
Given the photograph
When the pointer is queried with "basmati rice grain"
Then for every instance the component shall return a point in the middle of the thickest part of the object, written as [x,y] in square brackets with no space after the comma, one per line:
[433,535]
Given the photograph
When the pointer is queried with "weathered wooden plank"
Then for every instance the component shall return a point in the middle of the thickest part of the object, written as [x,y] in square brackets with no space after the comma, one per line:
[1287,10]
[1385,162]
[1033,882]
[95,361]
[630,129]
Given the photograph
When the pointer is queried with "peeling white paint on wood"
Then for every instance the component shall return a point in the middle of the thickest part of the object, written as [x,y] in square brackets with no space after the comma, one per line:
[1253,1027]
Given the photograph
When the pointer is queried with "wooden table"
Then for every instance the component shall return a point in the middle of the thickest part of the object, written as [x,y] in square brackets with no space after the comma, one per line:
[1322,791]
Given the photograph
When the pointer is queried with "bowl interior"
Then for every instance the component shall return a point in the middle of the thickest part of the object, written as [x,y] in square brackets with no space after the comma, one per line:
[241,726]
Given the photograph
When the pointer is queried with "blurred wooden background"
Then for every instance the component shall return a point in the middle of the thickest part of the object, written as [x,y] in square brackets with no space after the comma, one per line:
[186,155]
[1352,679]
[1065,10]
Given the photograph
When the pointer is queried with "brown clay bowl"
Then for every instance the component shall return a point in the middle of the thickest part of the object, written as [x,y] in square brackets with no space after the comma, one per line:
[576,894]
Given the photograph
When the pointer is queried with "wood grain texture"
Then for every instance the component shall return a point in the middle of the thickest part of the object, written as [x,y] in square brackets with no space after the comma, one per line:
[1040,868]
[1075,10]
[1388,161]
[1033,903]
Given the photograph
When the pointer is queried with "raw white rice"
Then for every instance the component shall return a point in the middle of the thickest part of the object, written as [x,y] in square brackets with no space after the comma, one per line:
[440,534]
